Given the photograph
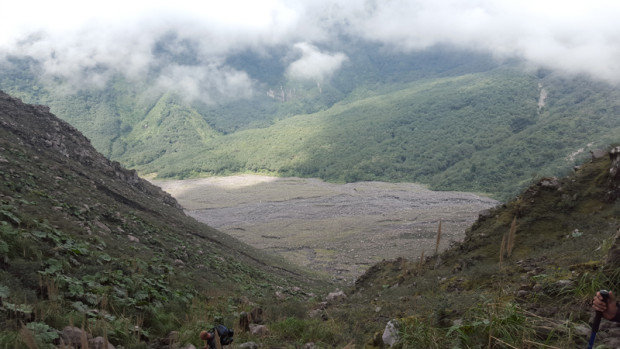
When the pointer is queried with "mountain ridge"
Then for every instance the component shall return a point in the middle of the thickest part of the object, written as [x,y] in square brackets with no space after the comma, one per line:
[450,119]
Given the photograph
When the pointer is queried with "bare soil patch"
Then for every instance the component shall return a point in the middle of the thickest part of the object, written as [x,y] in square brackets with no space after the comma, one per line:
[338,229]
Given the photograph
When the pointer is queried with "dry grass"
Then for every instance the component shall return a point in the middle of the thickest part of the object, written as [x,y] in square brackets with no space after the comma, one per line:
[438,237]
[27,337]
[508,241]
[84,338]
[511,237]
[502,249]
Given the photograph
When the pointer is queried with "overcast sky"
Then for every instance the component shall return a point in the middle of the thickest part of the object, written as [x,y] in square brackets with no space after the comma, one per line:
[72,37]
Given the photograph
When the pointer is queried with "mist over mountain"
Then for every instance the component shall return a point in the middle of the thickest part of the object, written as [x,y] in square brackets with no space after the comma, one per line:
[74,42]
[480,97]
[452,119]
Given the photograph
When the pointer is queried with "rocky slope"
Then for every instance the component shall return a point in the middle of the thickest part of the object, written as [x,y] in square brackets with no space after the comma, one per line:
[485,292]
[83,238]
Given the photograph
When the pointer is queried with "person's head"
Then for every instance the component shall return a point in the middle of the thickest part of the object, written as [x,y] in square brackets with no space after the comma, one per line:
[205,336]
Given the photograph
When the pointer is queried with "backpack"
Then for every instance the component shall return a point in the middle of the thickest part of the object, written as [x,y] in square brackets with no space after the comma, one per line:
[226,336]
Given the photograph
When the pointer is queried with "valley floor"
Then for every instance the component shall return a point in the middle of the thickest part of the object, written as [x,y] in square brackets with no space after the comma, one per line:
[337,229]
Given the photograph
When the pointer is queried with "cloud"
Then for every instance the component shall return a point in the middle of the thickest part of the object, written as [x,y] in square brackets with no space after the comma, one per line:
[573,36]
[313,64]
[185,44]
[86,43]
[207,83]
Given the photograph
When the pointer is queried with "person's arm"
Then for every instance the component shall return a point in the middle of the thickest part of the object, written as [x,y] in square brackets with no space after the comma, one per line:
[609,309]
[617,316]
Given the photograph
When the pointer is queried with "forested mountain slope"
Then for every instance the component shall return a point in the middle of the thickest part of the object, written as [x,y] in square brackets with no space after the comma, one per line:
[454,120]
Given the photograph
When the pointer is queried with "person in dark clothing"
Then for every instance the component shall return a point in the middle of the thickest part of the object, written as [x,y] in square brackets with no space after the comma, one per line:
[610,310]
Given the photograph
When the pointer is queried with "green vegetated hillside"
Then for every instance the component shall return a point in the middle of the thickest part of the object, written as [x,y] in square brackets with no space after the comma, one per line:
[479,132]
[453,120]
[523,277]
[85,242]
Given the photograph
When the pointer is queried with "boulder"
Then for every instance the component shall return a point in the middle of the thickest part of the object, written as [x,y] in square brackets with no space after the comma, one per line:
[614,175]
[256,316]
[597,154]
[337,296]
[319,311]
[612,342]
[258,330]
[280,296]
[583,330]
[614,156]
[99,343]
[390,334]
[248,345]
[244,322]
[102,228]
[72,336]
[550,183]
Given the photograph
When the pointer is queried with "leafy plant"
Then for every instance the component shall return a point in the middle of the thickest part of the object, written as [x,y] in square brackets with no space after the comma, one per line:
[42,332]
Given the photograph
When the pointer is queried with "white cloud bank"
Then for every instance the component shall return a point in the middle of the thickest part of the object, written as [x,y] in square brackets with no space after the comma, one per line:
[314,64]
[574,36]
[74,39]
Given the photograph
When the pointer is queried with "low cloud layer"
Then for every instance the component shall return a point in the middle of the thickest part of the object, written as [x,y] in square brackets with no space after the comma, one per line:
[187,44]
[210,83]
[314,64]
[573,36]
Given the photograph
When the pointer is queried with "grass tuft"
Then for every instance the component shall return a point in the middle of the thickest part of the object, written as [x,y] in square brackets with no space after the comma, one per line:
[28,338]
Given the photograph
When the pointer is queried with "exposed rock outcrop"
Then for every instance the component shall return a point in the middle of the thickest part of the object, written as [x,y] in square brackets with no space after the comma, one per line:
[74,336]
[614,175]
[390,334]
[42,130]
[99,343]
[335,297]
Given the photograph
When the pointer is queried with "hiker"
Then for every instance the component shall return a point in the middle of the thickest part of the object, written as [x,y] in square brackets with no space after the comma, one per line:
[219,332]
[206,336]
[610,309]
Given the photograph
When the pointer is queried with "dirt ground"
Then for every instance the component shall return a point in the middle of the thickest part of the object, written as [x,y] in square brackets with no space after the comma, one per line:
[337,229]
